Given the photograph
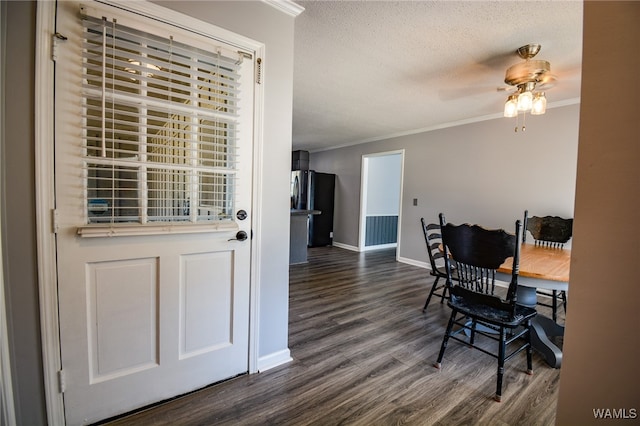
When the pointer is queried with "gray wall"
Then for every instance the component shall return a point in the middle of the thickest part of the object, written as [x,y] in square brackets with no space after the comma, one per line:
[601,344]
[18,214]
[255,20]
[482,173]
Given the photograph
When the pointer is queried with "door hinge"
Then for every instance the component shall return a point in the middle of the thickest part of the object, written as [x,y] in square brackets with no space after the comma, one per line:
[259,71]
[54,45]
[62,382]
[54,220]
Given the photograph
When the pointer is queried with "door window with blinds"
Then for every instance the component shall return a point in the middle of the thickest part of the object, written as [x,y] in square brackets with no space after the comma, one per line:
[160,122]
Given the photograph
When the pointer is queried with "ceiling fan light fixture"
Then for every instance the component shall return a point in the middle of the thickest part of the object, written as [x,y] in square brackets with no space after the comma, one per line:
[529,77]
[539,104]
[525,100]
[511,106]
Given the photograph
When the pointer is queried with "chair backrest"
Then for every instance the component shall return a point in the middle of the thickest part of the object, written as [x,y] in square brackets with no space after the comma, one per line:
[550,231]
[433,239]
[477,253]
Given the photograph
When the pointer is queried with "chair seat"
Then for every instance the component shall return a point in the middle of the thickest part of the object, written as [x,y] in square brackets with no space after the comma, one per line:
[491,315]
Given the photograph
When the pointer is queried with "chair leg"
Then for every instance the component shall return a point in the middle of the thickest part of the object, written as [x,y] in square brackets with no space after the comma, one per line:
[433,288]
[529,349]
[554,306]
[501,355]
[563,294]
[444,294]
[472,336]
[445,339]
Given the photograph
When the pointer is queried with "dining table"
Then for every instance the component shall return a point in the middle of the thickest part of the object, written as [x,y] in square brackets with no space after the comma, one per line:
[547,268]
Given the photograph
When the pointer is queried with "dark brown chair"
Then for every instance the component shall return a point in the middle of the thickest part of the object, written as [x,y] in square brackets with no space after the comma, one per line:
[436,258]
[552,232]
[549,231]
[476,309]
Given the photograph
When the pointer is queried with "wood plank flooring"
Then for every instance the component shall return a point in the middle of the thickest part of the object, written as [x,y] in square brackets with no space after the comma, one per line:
[363,355]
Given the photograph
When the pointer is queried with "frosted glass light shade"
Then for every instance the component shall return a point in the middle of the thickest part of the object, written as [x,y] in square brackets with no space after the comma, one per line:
[511,106]
[525,99]
[539,105]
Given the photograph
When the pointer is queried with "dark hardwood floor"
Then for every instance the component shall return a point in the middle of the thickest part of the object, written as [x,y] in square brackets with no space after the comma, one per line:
[363,355]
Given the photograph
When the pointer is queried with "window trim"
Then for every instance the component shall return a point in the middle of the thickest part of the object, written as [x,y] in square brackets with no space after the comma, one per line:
[155,228]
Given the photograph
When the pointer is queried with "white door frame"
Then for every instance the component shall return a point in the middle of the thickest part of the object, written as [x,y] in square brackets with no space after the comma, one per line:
[44,190]
[364,179]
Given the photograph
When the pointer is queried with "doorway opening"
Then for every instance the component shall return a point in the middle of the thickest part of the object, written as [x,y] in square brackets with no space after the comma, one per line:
[381,200]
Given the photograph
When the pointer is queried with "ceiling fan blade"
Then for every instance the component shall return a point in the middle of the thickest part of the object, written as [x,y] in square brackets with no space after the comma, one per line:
[547,81]
[452,94]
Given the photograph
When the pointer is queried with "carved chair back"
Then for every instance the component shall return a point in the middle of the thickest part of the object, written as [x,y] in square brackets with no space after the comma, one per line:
[476,253]
[433,239]
[550,231]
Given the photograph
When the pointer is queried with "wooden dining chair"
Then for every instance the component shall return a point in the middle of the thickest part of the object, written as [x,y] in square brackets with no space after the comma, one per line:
[476,309]
[433,240]
[548,231]
[552,232]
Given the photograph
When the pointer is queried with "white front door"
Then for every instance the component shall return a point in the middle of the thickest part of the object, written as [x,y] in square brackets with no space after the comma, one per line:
[153,163]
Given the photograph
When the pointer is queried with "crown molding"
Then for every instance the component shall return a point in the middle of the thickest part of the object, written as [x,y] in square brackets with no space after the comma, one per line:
[497,115]
[287,6]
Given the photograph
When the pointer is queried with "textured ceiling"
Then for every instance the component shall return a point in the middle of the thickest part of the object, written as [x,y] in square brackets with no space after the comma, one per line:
[367,70]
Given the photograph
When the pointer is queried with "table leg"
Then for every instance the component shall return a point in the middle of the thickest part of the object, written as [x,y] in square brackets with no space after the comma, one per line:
[542,328]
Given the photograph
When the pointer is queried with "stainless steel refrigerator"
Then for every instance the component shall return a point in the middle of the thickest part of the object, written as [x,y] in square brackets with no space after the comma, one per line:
[311,190]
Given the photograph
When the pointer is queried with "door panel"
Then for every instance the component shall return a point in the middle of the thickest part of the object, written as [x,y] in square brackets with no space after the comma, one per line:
[147,315]
[122,311]
[206,302]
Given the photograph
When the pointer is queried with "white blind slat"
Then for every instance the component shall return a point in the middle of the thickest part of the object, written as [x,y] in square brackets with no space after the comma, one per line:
[162,43]
[160,124]
[135,100]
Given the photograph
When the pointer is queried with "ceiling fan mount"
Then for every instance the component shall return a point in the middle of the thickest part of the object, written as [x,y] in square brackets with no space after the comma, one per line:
[531,72]
[528,51]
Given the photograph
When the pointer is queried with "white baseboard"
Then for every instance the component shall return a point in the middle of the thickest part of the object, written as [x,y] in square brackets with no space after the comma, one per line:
[345,246]
[499,282]
[367,248]
[414,262]
[273,360]
[380,247]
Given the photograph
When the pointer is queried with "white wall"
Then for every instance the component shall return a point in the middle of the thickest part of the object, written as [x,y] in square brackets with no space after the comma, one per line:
[383,186]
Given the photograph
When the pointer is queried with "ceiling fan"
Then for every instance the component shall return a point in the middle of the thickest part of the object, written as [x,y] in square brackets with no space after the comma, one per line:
[531,73]
[530,78]
[537,72]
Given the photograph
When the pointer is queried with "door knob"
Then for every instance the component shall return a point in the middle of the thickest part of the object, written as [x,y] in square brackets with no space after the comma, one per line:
[240,236]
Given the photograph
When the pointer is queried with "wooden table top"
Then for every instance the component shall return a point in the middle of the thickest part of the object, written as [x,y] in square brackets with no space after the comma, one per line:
[541,262]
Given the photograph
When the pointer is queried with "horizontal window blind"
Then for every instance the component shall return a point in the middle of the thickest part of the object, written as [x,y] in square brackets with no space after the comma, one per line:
[160,125]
